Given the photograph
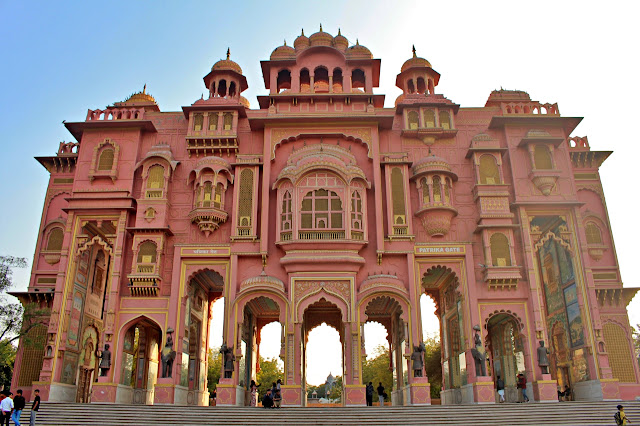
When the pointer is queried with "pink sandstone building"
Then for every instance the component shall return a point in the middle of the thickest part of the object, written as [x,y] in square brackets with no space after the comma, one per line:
[323,206]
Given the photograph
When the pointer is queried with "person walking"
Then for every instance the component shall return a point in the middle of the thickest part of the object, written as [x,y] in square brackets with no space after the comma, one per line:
[18,406]
[6,407]
[620,417]
[500,388]
[34,408]
[522,385]
[369,390]
[380,390]
[254,393]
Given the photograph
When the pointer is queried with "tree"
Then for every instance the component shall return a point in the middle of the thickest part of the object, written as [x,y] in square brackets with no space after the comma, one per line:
[269,373]
[377,369]
[7,359]
[636,341]
[433,365]
[214,368]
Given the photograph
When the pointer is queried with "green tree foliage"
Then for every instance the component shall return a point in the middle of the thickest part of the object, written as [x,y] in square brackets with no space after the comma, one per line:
[269,373]
[433,365]
[214,368]
[376,369]
[636,341]
[7,359]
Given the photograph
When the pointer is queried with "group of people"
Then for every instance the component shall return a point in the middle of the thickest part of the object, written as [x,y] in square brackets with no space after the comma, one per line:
[11,407]
[272,397]
[381,394]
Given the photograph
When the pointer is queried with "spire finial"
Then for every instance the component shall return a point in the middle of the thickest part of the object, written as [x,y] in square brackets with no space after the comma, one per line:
[302,32]
[144,89]
[413,49]
[320,27]
[228,53]
[357,42]
[339,33]
[285,41]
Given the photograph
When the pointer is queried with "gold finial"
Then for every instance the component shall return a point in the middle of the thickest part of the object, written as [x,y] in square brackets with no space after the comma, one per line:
[357,42]
[285,42]
[414,50]
[302,32]
[320,27]
[339,33]
[228,53]
[144,89]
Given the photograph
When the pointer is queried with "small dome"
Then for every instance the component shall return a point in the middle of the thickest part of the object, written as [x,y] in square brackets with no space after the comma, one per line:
[244,101]
[301,42]
[340,42]
[433,163]
[321,38]
[226,64]
[358,52]
[283,52]
[415,62]
[140,98]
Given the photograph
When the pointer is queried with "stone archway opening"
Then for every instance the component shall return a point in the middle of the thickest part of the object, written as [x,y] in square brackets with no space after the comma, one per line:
[506,357]
[323,350]
[141,360]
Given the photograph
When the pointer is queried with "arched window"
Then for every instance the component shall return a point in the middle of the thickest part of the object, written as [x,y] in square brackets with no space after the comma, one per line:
[321,209]
[489,173]
[594,236]
[222,88]
[447,191]
[54,242]
[155,182]
[356,211]
[198,119]
[337,80]
[147,252]
[619,351]
[218,198]
[284,80]
[410,87]
[305,81]
[232,89]
[321,80]
[421,86]
[228,121]
[429,118]
[500,252]
[358,80]
[105,161]
[397,197]
[437,190]
[213,120]
[245,200]
[412,120]
[206,194]
[445,120]
[426,198]
[542,158]
[285,216]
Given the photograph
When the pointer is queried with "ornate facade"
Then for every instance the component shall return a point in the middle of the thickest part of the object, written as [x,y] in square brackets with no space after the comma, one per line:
[321,205]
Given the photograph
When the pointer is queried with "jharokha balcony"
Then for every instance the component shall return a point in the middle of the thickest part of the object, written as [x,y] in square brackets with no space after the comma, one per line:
[208,219]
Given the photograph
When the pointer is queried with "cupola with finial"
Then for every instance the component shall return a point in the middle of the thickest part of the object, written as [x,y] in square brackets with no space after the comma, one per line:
[226,80]
[417,77]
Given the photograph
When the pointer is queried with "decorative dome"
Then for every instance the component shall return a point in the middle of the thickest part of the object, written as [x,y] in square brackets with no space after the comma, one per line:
[226,64]
[340,42]
[301,42]
[432,163]
[244,101]
[283,52]
[359,52]
[262,280]
[415,62]
[321,38]
[140,98]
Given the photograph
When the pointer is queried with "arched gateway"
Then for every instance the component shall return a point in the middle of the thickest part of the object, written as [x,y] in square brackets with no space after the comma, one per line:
[322,206]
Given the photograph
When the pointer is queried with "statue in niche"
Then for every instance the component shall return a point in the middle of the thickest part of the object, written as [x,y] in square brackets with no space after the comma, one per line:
[228,358]
[543,358]
[168,355]
[418,359]
[105,361]
[479,356]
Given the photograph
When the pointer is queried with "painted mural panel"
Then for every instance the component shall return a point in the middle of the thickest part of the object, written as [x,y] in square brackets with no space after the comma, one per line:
[75,318]
[69,368]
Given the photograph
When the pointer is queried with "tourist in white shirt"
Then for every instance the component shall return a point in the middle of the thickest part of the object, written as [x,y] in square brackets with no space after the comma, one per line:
[7,407]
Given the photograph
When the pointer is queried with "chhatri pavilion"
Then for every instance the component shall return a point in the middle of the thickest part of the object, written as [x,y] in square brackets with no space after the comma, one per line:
[320,205]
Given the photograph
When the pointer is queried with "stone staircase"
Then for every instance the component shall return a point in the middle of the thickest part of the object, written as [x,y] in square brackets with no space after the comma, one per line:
[563,413]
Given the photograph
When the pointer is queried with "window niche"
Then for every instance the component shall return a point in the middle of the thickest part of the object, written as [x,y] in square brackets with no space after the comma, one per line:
[104,162]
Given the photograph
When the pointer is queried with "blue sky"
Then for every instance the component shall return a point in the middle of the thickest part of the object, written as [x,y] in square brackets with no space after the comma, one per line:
[61,58]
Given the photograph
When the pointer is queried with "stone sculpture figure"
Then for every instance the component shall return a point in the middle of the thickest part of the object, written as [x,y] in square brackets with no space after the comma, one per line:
[543,358]
[105,361]
[478,354]
[229,358]
[418,359]
[168,355]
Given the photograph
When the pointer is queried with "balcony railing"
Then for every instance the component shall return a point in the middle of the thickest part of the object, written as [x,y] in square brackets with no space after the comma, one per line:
[357,235]
[244,231]
[400,230]
[321,235]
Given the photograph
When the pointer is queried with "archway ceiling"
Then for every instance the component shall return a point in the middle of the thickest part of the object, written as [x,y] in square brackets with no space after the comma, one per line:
[381,307]
[264,307]
[210,280]
[436,277]
[320,312]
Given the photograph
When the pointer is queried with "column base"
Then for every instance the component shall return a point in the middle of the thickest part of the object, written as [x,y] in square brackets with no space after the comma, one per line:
[60,392]
[291,395]
[420,391]
[229,395]
[355,395]
[545,389]
[166,392]
[610,389]
[104,392]
[483,390]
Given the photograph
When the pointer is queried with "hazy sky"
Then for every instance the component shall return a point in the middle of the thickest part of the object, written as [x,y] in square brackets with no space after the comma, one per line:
[61,58]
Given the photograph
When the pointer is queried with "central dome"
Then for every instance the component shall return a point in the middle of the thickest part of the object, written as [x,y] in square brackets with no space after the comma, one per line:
[415,62]
[321,38]
[226,64]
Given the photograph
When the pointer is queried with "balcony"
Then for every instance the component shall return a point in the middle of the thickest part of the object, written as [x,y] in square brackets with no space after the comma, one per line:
[321,235]
[208,219]
[143,287]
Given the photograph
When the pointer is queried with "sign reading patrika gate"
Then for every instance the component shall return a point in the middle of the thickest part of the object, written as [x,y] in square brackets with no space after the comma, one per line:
[439,250]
